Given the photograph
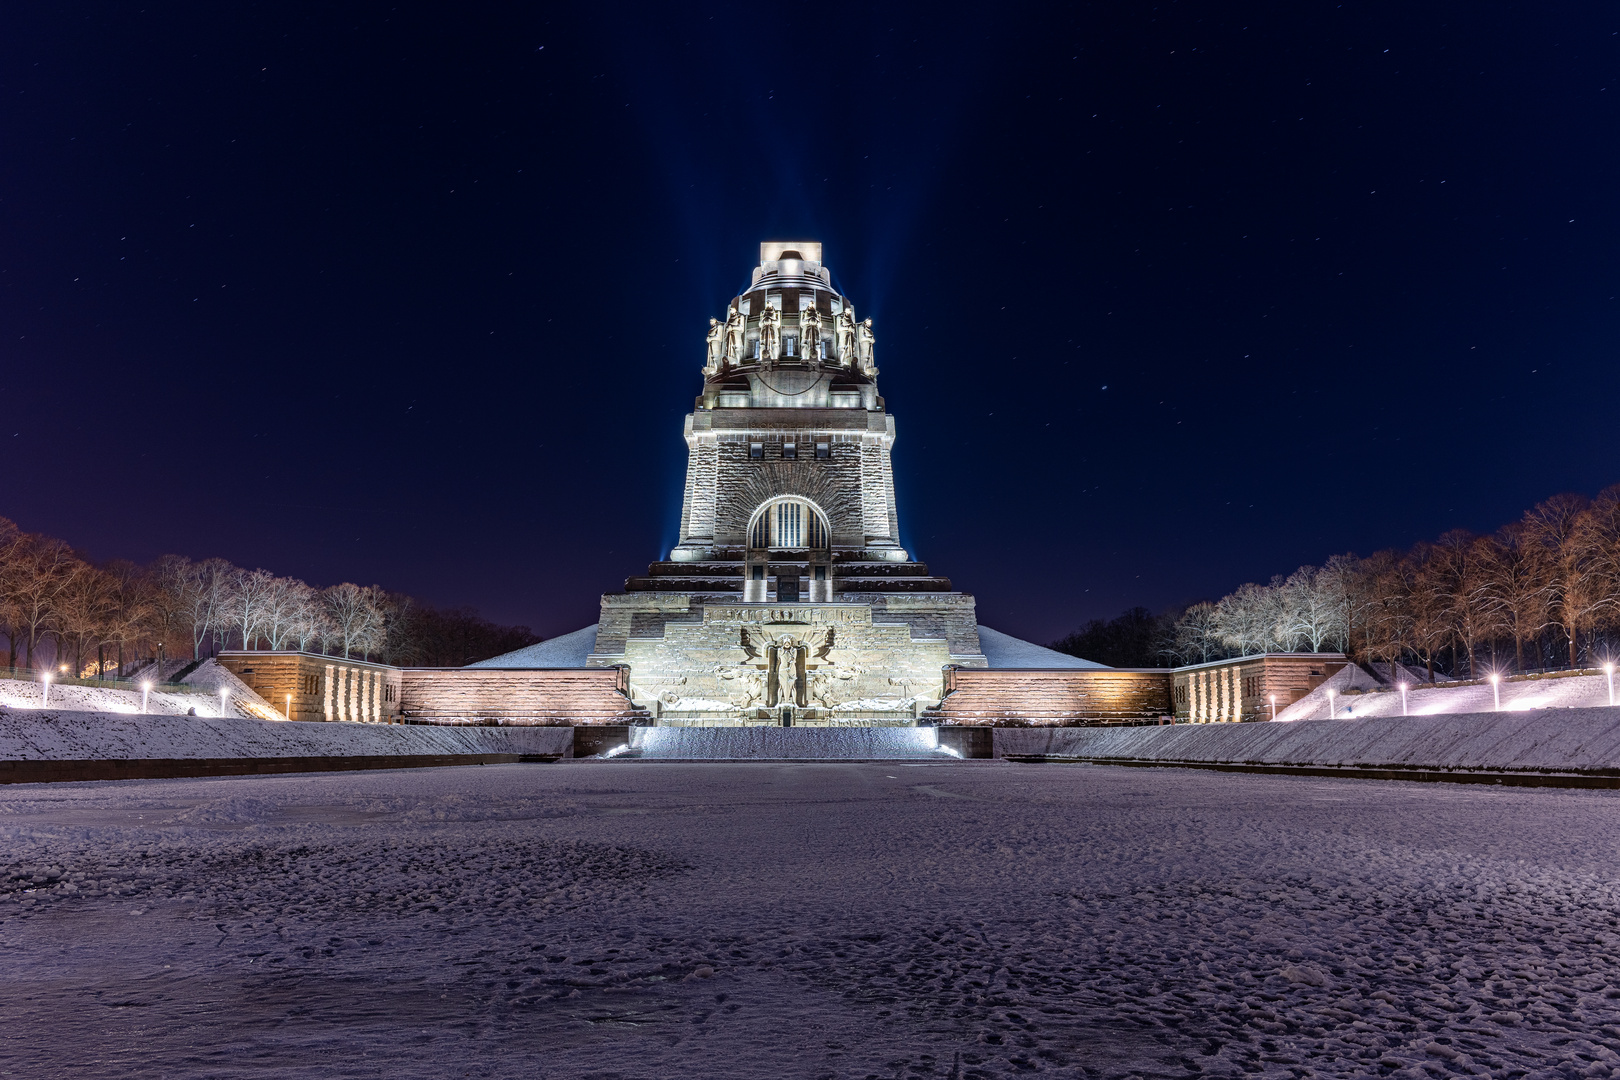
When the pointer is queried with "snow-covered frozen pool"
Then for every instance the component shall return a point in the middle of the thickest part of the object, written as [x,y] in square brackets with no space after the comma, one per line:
[817,920]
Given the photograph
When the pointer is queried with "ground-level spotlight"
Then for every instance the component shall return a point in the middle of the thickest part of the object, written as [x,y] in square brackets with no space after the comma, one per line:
[1403,699]
[146,695]
[1496,690]
[1331,715]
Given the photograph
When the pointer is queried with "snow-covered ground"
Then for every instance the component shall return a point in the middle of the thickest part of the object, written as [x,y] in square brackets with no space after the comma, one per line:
[1566,740]
[1355,693]
[858,920]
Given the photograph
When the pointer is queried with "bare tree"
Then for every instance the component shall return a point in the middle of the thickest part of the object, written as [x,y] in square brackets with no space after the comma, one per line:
[12,573]
[46,565]
[1550,526]
[210,593]
[84,607]
[356,617]
[131,611]
[1197,638]
[246,601]
[1518,591]
[1314,608]
[285,609]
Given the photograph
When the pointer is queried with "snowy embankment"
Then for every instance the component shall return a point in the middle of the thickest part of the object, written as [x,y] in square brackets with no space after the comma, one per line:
[201,693]
[64,735]
[784,744]
[1351,692]
[1566,742]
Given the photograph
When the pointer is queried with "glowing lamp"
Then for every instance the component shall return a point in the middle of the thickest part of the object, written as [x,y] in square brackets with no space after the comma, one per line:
[1496,690]
[1403,699]
[146,693]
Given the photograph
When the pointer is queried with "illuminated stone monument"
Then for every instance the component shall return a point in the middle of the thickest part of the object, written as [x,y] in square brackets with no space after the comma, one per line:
[788,597]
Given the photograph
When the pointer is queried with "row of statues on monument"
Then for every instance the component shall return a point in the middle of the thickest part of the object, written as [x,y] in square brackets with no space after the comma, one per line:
[853,339]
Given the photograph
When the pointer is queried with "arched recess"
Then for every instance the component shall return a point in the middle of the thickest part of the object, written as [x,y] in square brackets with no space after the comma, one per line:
[789,521]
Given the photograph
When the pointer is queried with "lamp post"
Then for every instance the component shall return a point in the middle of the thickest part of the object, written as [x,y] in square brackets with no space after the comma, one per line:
[1608,669]
[224,695]
[45,677]
[146,693]
[1496,690]
[1403,699]
[1331,715]
[289,707]
[1274,706]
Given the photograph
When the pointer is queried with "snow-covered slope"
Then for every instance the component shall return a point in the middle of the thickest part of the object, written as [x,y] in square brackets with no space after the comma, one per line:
[1006,651]
[1566,740]
[1357,694]
[567,651]
[57,735]
[242,702]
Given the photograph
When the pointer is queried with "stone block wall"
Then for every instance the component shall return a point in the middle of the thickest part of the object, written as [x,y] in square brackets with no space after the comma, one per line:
[564,696]
[1053,698]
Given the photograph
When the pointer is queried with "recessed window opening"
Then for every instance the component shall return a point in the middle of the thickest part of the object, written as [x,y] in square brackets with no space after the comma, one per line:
[823,450]
[790,451]
[756,450]
[790,344]
[788,523]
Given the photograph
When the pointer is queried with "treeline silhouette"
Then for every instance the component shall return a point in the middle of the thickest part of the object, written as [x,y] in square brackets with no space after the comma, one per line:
[99,618]
[1540,593]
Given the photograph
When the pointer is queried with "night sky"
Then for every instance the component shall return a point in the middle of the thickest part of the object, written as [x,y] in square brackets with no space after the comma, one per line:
[1167,297]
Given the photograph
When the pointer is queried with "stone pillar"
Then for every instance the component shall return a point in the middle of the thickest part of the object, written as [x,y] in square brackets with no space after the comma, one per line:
[365,694]
[326,702]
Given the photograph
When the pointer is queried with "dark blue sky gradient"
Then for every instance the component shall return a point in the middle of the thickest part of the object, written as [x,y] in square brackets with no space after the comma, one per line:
[1168,297]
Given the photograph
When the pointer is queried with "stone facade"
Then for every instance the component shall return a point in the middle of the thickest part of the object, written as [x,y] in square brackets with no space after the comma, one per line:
[1232,691]
[308,686]
[788,597]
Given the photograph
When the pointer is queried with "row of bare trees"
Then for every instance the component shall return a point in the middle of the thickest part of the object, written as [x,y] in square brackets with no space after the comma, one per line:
[1545,588]
[101,617]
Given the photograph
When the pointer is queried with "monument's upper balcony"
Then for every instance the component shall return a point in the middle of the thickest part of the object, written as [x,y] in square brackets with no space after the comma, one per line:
[790,317]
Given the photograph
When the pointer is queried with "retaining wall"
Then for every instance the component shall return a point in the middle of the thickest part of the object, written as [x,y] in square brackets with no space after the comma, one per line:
[1564,741]
[47,744]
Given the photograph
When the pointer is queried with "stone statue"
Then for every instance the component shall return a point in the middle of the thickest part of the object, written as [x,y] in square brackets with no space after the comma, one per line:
[716,342]
[846,337]
[787,672]
[863,348]
[770,335]
[810,332]
[744,687]
[736,331]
